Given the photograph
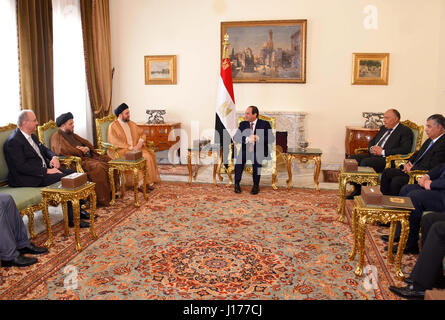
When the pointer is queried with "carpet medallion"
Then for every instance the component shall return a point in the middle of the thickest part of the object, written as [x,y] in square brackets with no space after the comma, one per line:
[202,241]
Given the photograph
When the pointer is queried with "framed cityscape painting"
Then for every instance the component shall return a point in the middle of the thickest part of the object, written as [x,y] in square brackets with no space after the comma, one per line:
[267,51]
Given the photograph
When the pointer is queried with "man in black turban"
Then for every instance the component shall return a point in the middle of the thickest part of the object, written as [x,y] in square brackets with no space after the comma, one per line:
[66,143]
[120,109]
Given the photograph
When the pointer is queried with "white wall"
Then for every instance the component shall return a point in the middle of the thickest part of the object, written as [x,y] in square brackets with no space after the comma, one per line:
[410,30]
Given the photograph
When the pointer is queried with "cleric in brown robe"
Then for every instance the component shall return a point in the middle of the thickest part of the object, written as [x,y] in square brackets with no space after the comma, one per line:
[127,136]
[66,143]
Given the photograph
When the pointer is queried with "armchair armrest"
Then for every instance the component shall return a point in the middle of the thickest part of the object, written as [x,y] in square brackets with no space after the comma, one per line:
[151,145]
[414,175]
[398,159]
[360,150]
[106,145]
[67,161]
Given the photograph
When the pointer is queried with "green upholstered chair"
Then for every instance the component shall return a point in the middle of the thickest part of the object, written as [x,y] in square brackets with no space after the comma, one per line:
[27,200]
[45,132]
[400,159]
[102,125]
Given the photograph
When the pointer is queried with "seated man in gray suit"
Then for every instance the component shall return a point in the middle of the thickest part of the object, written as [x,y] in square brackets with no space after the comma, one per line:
[13,237]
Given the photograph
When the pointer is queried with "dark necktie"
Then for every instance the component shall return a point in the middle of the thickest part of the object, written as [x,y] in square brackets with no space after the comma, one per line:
[251,131]
[383,139]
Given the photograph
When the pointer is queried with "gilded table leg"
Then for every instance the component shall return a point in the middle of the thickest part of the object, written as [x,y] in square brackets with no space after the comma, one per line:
[229,175]
[135,187]
[92,213]
[342,189]
[76,213]
[402,243]
[30,215]
[354,234]
[274,179]
[196,167]
[361,245]
[45,212]
[317,160]
[392,231]
[189,165]
[145,168]
[113,187]
[289,171]
[65,218]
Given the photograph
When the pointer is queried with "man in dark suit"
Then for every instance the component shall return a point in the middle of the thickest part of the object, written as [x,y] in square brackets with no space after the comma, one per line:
[254,135]
[31,164]
[14,241]
[428,270]
[393,138]
[431,153]
[427,195]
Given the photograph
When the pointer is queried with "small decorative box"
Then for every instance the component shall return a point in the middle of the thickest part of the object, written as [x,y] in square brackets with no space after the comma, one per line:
[372,195]
[133,155]
[350,165]
[74,180]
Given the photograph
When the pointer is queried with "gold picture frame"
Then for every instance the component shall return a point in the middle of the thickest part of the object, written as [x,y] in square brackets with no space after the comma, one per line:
[268,51]
[370,68]
[160,69]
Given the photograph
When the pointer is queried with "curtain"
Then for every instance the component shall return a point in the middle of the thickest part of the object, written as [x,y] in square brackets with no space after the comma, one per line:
[70,89]
[97,46]
[35,39]
[9,63]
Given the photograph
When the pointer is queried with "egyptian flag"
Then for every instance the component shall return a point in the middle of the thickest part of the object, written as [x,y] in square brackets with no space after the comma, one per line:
[225,122]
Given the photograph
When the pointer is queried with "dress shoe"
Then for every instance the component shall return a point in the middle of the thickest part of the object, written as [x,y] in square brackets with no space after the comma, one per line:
[408,250]
[408,280]
[82,224]
[85,215]
[408,292]
[255,190]
[237,188]
[385,238]
[20,261]
[32,249]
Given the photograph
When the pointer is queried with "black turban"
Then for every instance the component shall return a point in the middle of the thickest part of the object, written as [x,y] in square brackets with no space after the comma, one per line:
[64,118]
[120,109]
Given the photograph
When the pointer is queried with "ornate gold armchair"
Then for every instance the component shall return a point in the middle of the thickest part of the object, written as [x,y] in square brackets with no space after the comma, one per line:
[102,125]
[269,165]
[45,132]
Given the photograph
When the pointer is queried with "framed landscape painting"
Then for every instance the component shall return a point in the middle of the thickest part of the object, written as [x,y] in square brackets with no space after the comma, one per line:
[370,68]
[267,51]
[160,69]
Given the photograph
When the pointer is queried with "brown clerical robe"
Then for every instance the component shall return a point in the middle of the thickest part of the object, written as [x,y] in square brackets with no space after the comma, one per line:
[94,164]
[117,137]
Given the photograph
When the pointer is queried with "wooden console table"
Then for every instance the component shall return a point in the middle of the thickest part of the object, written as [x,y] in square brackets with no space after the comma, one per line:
[358,137]
[158,134]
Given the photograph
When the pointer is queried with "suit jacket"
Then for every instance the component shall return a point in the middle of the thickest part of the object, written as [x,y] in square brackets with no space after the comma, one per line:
[24,164]
[437,175]
[434,156]
[399,142]
[261,148]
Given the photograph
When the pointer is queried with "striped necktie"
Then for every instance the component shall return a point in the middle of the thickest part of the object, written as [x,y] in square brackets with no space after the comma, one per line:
[251,130]
[36,148]
[384,138]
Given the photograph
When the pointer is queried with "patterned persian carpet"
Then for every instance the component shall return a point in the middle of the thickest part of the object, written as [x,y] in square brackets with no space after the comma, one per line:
[202,241]
[176,170]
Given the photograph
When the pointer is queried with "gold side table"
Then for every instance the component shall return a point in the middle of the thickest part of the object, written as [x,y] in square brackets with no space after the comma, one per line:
[362,175]
[55,193]
[195,152]
[364,214]
[304,156]
[123,165]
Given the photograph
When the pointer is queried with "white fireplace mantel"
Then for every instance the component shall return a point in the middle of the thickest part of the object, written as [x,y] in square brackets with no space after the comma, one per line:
[291,121]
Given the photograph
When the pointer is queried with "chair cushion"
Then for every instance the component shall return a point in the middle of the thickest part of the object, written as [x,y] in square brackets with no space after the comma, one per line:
[23,197]
[47,134]
[415,136]
[104,130]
